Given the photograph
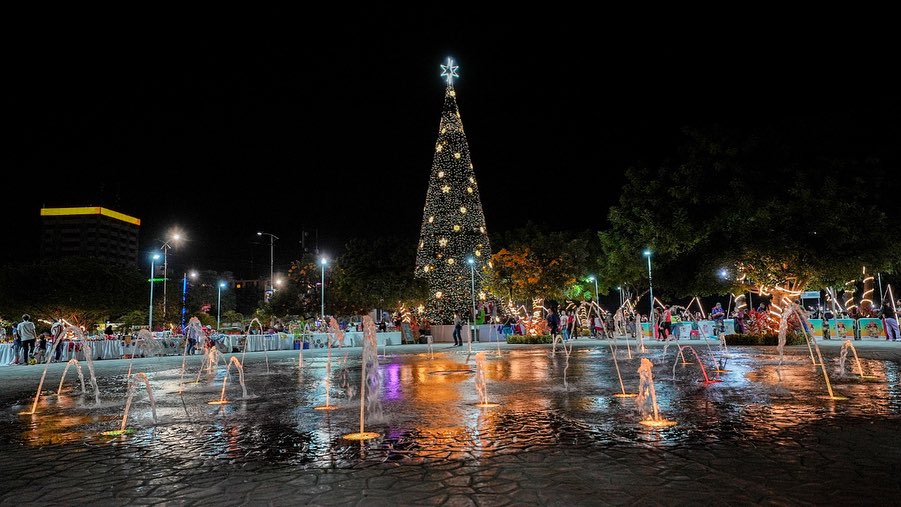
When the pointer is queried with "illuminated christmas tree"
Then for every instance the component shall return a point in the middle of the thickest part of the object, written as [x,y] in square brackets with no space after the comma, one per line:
[453,239]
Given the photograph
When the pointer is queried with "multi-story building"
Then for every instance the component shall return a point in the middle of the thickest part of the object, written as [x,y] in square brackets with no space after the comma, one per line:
[90,232]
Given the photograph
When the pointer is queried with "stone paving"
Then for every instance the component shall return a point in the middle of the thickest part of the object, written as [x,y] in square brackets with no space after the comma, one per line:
[749,440]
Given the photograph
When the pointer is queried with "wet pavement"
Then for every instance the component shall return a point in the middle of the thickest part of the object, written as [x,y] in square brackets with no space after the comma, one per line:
[765,434]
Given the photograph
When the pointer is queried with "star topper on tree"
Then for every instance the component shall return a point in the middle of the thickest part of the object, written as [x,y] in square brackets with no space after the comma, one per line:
[450,71]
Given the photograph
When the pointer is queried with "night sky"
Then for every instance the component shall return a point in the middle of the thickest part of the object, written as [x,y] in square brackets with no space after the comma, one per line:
[330,124]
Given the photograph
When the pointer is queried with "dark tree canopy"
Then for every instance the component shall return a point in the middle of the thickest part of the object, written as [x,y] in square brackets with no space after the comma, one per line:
[82,290]
[807,201]
[533,261]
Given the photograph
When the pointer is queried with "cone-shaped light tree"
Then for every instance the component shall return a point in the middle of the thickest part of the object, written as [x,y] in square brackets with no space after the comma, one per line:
[453,245]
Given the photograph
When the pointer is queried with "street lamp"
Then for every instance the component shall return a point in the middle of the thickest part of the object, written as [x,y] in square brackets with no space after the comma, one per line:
[155,257]
[165,248]
[272,238]
[322,262]
[219,305]
[184,297]
[595,280]
[647,253]
[622,299]
[472,276]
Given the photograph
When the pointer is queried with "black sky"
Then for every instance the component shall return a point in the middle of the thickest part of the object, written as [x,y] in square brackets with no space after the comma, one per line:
[292,120]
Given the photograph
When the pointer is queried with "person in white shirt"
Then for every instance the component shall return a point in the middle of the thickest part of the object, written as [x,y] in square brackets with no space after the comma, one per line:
[28,335]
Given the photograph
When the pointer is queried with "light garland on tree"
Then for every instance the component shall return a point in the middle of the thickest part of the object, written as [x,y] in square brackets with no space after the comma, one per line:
[453,225]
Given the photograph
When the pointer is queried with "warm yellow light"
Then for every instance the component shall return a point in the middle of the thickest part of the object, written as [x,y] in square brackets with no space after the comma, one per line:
[438,148]
[481,295]
[445,189]
[93,210]
[421,244]
[442,242]
[431,219]
[469,189]
[471,179]
[478,253]
[453,93]
[456,228]
[462,209]
[451,261]
[426,268]
[457,155]
[490,264]
[482,230]
[443,130]
[439,294]
[440,174]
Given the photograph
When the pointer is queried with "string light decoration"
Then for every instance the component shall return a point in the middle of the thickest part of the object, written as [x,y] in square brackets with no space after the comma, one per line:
[453,225]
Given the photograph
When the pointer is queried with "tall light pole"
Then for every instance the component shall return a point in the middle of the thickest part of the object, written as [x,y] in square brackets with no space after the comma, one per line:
[592,278]
[165,248]
[153,259]
[272,238]
[472,277]
[219,305]
[647,254]
[322,262]
[622,299]
[184,297]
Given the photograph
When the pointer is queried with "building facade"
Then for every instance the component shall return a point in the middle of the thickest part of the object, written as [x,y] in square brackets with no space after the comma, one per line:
[92,231]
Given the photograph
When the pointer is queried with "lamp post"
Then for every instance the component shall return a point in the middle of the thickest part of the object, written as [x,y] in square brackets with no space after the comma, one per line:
[322,262]
[647,254]
[594,279]
[165,248]
[472,277]
[153,259]
[272,238]
[184,297]
[622,299]
[219,305]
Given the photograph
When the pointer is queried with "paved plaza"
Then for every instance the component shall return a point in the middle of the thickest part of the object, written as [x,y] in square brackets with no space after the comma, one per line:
[558,436]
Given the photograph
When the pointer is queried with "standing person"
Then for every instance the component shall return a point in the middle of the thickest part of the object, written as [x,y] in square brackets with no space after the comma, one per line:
[667,325]
[891,322]
[719,318]
[553,322]
[571,325]
[28,336]
[563,323]
[458,326]
[17,343]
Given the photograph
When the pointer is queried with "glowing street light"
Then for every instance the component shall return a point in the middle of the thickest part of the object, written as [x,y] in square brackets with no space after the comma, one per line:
[184,296]
[472,273]
[165,248]
[219,305]
[323,261]
[647,254]
[155,257]
[594,279]
[272,238]
[724,273]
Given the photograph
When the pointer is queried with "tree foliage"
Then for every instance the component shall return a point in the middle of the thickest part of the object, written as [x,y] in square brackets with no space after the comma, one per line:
[777,205]
[534,262]
[82,290]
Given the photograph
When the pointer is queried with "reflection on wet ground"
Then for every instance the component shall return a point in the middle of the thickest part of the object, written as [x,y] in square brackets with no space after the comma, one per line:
[428,415]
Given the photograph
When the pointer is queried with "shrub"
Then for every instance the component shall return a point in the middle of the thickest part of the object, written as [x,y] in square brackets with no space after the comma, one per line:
[770,338]
[529,339]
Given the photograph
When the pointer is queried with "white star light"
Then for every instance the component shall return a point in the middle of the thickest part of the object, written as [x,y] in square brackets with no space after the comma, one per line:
[450,70]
